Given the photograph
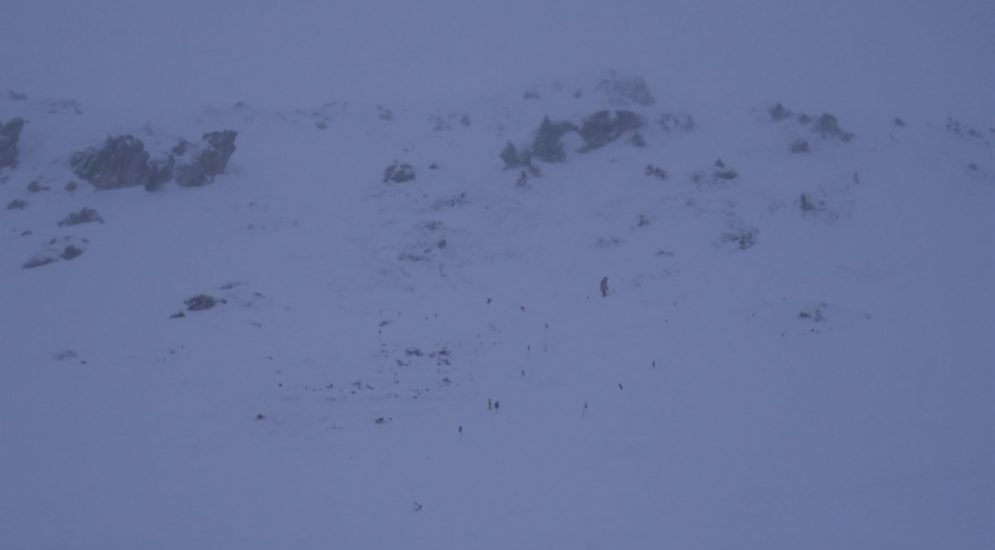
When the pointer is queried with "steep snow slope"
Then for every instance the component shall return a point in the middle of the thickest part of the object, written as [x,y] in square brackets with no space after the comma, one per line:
[432,363]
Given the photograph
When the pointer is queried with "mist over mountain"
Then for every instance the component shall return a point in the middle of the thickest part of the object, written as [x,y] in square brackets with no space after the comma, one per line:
[850,54]
[497,275]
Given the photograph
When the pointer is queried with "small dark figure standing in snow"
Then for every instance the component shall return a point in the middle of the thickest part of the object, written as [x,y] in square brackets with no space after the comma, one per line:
[604,286]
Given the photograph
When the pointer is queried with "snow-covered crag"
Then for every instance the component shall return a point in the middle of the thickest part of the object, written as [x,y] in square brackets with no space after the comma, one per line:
[122,161]
[586,315]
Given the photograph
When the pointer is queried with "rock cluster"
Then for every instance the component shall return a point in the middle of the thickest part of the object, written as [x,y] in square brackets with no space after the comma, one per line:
[825,125]
[123,162]
[596,130]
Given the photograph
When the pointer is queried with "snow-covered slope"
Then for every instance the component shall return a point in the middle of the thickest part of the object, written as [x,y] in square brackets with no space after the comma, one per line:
[795,348]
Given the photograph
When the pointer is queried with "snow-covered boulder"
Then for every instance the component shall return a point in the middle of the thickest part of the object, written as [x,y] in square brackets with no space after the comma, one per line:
[604,127]
[398,173]
[121,162]
[208,159]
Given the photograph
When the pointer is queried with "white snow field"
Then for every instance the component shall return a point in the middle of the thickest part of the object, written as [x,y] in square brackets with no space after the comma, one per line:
[795,349]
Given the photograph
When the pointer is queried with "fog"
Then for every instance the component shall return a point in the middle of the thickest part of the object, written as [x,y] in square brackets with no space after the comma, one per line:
[924,55]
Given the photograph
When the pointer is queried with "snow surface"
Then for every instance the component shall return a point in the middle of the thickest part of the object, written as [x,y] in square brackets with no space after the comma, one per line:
[828,386]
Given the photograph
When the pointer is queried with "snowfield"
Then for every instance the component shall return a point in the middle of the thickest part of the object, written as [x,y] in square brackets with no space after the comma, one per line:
[795,349]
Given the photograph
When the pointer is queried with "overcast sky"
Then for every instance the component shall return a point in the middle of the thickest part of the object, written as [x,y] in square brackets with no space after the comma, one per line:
[929,54]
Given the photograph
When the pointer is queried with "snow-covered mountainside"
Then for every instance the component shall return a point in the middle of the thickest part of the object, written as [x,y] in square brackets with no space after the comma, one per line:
[587,315]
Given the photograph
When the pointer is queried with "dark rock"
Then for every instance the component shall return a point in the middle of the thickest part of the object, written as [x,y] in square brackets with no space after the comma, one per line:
[38,261]
[121,162]
[72,186]
[828,128]
[71,252]
[398,173]
[726,174]
[36,187]
[513,158]
[178,315]
[744,238]
[899,122]
[723,172]
[209,161]
[799,146]
[10,133]
[547,145]
[637,140]
[86,215]
[812,205]
[604,127]
[200,302]
[124,162]
[17,204]
[806,203]
[655,172]
[675,122]
[181,148]
[445,122]
[159,173]
[958,128]
[523,180]
[16,96]
[779,112]
[804,119]
[625,91]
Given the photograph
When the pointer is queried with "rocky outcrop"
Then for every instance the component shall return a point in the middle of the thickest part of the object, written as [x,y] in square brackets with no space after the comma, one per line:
[398,173]
[779,112]
[71,252]
[625,91]
[208,160]
[547,145]
[201,302]
[123,162]
[513,158]
[604,127]
[38,261]
[596,131]
[86,215]
[10,133]
[826,125]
